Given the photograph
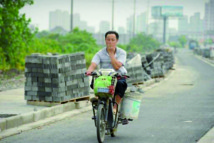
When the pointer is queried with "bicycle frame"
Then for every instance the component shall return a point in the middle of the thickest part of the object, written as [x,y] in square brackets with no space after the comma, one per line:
[109,118]
[103,116]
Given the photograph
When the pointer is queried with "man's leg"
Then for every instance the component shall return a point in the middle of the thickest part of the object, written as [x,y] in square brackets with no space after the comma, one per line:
[119,91]
[117,100]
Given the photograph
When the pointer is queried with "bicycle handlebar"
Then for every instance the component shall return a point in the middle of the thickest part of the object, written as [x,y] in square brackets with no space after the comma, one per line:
[118,75]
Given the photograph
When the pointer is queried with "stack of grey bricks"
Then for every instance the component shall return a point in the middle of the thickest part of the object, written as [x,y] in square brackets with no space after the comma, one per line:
[198,51]
[168,57]
[146,67]
[157,65]
[158,70]
[136,73]
[55,78]
[145,64]
[206,53]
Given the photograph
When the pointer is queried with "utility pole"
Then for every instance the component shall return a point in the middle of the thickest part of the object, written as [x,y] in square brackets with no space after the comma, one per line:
[164,29]
[147,18]
[71,24]
[112,24]
[134,18]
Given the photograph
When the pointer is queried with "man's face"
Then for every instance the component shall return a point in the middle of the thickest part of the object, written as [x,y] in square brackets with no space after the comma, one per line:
[111,41]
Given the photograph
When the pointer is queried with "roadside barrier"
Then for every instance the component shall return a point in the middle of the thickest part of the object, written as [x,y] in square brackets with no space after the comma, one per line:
[206,52]
[153,65]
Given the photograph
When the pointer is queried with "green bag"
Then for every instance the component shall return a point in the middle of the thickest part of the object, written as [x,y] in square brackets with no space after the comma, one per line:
[101,86]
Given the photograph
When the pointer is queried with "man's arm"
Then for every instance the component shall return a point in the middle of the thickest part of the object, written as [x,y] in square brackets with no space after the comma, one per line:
[115,63]
[91,68]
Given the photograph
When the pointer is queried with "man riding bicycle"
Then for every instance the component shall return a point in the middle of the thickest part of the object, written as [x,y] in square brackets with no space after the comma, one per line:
[112,57]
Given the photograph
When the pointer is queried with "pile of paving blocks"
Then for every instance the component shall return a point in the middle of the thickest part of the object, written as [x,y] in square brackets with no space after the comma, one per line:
[145,64]
[158,67]
[158,63]
[168,58]
[205,52]
[55,78]
[136,73]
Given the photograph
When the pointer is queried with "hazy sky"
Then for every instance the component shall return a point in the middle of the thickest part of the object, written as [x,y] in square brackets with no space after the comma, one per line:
[94,11]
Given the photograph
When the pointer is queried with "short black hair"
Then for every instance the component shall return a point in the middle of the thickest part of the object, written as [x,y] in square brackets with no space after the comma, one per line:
[112,32]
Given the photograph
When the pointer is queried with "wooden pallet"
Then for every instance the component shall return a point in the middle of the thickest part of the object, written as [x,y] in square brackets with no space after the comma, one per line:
[157,77]
[138,83]
[83,98]
[50,104]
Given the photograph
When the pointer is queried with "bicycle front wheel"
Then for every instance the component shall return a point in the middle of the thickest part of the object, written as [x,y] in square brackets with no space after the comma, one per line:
[100,123]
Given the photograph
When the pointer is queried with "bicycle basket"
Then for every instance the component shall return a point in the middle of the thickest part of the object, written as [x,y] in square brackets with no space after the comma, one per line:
[104,86]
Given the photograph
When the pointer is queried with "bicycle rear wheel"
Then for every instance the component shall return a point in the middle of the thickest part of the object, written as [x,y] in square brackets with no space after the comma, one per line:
[113,131]
[100,123]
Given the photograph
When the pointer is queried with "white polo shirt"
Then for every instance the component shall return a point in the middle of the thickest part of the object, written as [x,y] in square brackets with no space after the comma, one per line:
[102,58]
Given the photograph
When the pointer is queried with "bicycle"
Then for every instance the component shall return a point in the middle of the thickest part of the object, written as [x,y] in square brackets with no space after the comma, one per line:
[106,122]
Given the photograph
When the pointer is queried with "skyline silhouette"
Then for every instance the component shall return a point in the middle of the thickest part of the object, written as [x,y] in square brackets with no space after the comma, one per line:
[95,11]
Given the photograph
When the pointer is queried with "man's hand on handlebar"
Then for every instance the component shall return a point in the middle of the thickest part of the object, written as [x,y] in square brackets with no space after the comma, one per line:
[88,73]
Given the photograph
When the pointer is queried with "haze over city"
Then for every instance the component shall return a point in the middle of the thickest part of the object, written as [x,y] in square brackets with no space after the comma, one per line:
[95,11]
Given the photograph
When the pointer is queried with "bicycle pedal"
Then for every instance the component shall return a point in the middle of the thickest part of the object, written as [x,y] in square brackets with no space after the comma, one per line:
[125,122]
[107,133]
[93,118]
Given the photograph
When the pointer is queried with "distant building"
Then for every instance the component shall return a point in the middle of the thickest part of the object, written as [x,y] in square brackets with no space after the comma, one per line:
[129,25]
[91,29]
[104,26]
[172,34]
[141,23]
[77,22]
[124,38]
[59,18]
[196,23]
[156,29]
[59,30]
[121,30]
[209,16]
[183,25]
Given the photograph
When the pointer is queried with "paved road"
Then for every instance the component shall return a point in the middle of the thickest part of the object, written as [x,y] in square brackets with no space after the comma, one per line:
[178,110]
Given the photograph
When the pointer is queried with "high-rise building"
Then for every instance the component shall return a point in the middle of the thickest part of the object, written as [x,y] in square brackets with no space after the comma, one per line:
[156,29]
[91,29]
[129,24]
[196,23]
[77,22]
[141,23]
[104,26]
[121,30]
[209,16]
[59,18]
[183,25]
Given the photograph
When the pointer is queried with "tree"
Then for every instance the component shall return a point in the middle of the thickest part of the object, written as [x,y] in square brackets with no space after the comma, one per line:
[182,40]
[175,44]
[142,43]
[14,32]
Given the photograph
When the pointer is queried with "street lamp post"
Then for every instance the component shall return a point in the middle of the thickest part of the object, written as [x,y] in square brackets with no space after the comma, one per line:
[112,15]
[164,29]
[134,18]
[71,24]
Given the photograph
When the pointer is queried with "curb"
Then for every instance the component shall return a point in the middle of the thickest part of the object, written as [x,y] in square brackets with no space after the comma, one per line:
[208,61]
[13,123]
[18,130]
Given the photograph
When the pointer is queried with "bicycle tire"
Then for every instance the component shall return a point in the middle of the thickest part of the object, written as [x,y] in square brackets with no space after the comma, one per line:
[100,123]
